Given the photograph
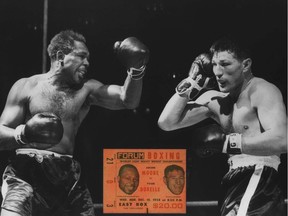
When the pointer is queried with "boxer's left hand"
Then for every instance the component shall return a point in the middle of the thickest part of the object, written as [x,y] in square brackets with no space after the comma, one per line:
[200,77]
[213,140]
[132,53]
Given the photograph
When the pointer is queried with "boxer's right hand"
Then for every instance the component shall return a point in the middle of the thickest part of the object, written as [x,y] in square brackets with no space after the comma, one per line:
[132,53]
[200,77]
[45,128]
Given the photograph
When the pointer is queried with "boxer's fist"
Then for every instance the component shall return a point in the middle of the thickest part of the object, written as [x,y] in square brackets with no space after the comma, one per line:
[200,77]
[201,65]
[41,128]
[212,140]
[132,53]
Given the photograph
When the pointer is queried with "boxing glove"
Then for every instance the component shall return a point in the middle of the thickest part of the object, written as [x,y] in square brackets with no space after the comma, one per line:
[44,128]
[212,140]
[200,77]
[134,55]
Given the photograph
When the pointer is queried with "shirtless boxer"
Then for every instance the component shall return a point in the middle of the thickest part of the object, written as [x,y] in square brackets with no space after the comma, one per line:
[251,128]
[43,177]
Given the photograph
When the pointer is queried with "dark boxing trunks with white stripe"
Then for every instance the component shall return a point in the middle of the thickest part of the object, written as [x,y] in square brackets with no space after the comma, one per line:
[251,187]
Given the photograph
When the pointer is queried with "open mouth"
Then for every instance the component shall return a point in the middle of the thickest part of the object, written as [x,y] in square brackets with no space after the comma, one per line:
[221,83]
[82,73]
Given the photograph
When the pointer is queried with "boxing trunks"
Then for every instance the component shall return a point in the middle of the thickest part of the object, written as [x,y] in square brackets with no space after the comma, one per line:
[251,187]
[39,182]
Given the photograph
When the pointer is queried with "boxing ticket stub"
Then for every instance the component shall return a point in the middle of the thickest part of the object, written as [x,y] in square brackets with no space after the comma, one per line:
[144,181]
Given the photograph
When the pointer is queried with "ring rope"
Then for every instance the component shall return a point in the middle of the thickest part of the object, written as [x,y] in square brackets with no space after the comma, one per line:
[188,204]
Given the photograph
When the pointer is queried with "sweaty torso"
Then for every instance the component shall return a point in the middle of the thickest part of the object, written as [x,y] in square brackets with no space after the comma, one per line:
[236,116]
[70,105]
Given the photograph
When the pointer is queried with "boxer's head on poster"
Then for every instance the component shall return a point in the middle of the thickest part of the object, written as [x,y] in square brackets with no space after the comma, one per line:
[174,178]
[128,178]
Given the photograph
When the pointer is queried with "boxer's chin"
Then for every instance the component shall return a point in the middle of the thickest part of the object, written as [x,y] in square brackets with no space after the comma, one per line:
[223,89]
[80,78]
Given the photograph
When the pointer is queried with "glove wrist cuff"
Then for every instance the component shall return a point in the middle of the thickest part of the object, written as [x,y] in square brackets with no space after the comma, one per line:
[194,88]
[185,91]
[135,73]
[233,144]
[19,134]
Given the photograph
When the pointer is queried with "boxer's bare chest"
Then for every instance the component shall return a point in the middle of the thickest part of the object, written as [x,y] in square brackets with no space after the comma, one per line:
[237,116]
[68,104]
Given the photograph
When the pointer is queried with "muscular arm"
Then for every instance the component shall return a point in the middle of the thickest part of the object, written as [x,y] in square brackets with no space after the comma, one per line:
[179,114]
[134,56]
[116,97]
[12,116]
[268,102]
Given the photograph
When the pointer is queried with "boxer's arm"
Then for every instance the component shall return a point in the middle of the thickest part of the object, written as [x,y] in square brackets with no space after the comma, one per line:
[12,115]
[116,97]
[134,56]
[178,113]
[268,102]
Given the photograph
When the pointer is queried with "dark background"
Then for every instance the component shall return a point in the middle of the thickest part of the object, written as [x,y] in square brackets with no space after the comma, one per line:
[175,31]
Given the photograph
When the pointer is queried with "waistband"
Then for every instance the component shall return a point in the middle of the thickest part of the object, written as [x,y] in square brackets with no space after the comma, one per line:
[37,152]
[250,160]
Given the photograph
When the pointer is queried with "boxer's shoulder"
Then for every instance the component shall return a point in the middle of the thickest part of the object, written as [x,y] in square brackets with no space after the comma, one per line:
[261,84]
[30,82]
[260,88]
[22,88]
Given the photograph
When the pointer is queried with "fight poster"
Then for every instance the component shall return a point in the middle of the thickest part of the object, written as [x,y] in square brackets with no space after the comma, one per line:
[144,181]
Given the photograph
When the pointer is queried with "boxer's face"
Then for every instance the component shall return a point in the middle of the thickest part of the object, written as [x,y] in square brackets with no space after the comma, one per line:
[175,181]
[128,180]
[228,71]
[76,63]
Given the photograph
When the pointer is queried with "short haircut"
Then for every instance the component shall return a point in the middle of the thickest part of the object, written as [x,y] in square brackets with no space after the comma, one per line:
[236,45]
[64,41]
[171,168]
[126,166]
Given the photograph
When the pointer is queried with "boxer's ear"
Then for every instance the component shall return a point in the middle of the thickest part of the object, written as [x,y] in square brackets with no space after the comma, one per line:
[247,64]
[60,57]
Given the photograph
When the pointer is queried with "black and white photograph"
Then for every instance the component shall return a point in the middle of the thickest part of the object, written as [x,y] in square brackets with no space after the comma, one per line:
[78,77]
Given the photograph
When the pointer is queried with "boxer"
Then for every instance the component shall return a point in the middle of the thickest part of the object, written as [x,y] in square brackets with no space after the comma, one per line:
[43,178]
[251,126]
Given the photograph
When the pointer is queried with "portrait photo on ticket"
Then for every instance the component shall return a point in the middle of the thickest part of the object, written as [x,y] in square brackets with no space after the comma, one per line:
[144,181]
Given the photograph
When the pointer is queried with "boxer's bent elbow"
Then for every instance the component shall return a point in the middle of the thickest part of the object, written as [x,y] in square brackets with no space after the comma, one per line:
[280,144]
[165,125]
[131,104]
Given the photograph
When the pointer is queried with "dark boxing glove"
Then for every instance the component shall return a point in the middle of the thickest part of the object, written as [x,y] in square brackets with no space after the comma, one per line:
[41,128]
[212,140]
[134,55]
[200,77]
